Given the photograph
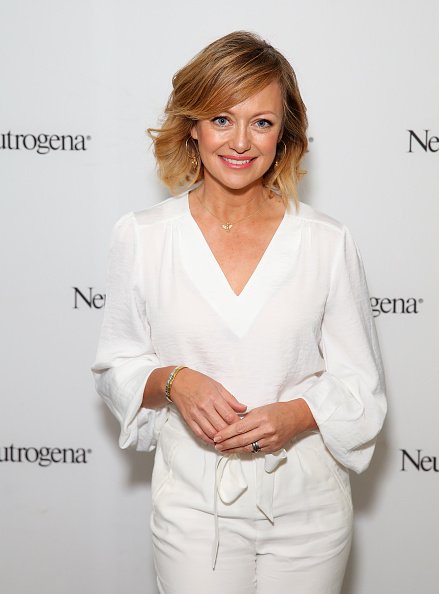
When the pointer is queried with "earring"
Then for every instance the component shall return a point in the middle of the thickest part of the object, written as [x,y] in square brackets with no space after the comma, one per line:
[192,156]
[276,163]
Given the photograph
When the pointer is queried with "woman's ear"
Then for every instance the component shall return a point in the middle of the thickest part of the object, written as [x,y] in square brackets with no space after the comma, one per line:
[194,132]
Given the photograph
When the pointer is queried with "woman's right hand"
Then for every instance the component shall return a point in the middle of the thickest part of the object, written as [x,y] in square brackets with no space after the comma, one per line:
[205,405]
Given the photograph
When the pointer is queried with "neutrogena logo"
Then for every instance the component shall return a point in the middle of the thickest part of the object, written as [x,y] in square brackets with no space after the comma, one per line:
[90,298]
[418,461]
[423,141]
[44,456]
[396,305]
[43,143]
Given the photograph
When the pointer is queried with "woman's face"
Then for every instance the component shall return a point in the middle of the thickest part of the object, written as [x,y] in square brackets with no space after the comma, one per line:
[238,146]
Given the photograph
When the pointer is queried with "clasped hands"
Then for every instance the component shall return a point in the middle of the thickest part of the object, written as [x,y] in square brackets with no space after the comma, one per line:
[217,418]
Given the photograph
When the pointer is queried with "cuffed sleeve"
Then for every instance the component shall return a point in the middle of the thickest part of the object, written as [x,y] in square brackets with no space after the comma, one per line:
[348,399]
[125,356]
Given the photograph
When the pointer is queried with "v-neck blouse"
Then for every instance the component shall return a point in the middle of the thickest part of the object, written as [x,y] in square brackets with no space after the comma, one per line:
[212,264]
[302,327]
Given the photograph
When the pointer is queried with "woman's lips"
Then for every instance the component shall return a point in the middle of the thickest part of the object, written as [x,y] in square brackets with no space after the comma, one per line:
[235,163]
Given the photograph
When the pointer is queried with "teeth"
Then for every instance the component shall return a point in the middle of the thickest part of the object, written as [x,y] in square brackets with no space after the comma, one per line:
[235,162]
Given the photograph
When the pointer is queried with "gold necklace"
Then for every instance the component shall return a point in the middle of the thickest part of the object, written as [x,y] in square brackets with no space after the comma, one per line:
[228,226]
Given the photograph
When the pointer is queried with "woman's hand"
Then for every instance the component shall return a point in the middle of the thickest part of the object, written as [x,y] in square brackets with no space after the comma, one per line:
[205,405]
[272,426]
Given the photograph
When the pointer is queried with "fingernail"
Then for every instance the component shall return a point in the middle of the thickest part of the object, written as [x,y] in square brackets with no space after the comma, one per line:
[217,438]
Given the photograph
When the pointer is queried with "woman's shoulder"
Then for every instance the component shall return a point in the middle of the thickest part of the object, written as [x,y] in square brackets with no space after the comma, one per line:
[152,219]
[163,211]
[318,218]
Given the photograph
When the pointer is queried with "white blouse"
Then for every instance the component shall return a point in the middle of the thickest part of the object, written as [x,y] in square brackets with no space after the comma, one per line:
[301,328]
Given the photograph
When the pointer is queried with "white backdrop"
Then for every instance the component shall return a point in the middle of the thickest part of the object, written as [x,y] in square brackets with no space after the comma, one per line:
[74,514]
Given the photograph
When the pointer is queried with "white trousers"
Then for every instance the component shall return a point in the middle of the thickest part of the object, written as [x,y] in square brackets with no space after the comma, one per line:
[248,524]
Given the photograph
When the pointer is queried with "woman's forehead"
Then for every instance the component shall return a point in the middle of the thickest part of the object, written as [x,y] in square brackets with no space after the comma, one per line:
[269,98]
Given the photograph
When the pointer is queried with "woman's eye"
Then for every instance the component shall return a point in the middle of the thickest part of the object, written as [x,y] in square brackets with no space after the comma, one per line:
[263,124]
[220,120]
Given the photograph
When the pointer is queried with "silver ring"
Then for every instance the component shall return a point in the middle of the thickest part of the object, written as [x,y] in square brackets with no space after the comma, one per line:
[256,447]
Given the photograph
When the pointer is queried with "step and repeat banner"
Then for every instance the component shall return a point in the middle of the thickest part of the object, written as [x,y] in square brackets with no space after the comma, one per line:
[81,81]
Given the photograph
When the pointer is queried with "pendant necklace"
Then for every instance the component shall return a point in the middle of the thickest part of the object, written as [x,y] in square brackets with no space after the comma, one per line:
[228,226]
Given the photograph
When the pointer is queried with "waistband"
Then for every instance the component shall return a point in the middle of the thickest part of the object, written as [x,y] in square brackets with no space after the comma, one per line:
[230,480]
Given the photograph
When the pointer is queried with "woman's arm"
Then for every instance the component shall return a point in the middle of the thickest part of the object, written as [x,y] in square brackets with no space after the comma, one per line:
[125,356]
[349,400]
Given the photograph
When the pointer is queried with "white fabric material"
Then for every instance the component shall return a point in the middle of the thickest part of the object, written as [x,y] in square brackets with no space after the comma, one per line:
[125,357]
[302,326]
[298,540]
[230,483]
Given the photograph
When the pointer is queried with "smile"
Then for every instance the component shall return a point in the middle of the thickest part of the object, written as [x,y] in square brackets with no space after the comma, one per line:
[237,163]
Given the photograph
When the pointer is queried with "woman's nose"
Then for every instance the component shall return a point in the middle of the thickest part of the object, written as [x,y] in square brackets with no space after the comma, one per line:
[240,140]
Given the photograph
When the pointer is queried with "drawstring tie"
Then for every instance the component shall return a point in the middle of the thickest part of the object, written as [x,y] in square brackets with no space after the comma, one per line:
[230,484]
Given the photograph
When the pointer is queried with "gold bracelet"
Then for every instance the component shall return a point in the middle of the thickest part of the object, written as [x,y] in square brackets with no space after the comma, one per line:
[171,378]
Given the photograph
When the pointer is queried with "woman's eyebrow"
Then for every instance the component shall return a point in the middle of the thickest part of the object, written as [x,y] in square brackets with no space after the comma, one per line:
[254,115]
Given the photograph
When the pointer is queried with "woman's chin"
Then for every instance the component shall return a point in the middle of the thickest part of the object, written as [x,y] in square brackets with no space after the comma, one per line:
[235,182]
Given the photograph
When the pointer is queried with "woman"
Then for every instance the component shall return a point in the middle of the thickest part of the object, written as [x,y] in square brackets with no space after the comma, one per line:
[238,340]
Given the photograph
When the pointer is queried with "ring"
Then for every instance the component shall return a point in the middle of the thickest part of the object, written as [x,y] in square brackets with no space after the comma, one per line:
[256,447]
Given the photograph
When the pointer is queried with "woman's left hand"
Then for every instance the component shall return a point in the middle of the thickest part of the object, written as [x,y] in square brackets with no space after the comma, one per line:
[272,426]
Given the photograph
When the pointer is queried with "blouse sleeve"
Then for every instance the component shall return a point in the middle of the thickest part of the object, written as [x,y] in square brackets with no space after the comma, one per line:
[125,355]
[348,399]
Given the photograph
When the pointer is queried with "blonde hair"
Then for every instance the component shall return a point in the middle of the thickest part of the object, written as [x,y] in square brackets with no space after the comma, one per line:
[225,73]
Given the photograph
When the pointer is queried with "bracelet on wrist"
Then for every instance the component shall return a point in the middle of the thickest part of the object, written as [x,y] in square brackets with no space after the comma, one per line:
[169,381]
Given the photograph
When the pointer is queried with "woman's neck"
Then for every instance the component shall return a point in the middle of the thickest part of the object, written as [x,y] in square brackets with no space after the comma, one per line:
[229,204]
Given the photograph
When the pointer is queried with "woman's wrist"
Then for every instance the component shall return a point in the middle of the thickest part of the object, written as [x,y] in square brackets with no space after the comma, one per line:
[302,415]
[170,381]
[154,390]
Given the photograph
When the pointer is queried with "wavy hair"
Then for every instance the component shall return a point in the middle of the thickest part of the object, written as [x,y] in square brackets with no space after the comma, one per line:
[223,74]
